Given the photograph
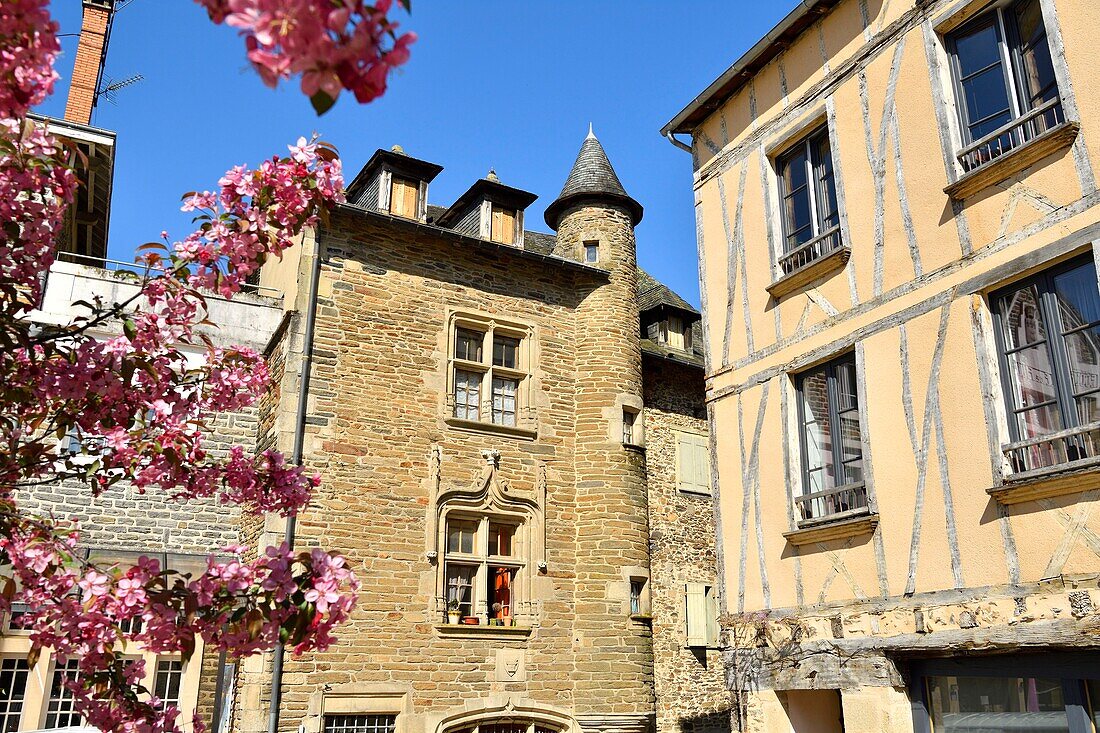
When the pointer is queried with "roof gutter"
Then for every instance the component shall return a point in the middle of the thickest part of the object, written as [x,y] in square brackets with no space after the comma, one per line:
[706,99]
[671,136]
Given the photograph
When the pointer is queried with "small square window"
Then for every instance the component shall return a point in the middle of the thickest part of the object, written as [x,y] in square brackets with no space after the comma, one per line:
[468,344]
[360,723]
[505,352]
[460,536]
[591,252]
[630,427]
[637,589]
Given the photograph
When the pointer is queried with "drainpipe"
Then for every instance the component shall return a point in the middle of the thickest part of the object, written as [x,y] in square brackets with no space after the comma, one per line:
[299,441]
[678,143]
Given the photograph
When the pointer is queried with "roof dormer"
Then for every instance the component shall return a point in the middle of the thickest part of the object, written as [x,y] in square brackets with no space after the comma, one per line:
[489,210]
[394,183]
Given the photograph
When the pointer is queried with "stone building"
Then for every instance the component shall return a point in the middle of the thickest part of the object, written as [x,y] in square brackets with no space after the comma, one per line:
[121,525]
[509,426]
[897,221]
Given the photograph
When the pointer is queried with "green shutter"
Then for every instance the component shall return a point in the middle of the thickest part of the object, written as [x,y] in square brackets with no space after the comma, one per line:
[696,605]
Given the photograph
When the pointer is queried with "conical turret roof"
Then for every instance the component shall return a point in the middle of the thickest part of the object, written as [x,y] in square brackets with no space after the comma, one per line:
[592,179]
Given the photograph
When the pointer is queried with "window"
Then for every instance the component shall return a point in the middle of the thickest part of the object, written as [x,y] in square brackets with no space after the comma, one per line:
[1004,81]
[807,188]
[829,431]
[166,683]
[511,726]
[503,228]
[1048,330]
[492,389]
[692,463]
[631,430]
[701,614]
[404,197]
[13,688]
[639,596]
[483,559]
[60,711]
[591,252]
[360,723]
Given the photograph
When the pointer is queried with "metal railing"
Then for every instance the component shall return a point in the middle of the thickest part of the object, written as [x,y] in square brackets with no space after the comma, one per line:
[1011,136]
[110,265]
[1065,448]
[810,251]
[826,503]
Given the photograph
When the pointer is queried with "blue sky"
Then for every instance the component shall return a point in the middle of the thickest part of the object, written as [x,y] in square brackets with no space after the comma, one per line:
[508,85]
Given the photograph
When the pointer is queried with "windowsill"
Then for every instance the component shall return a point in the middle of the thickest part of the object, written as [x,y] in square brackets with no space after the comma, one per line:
[1009,164]
[634,447]
[1071,478]
[483,631]
[642,618]
[816,270]
[838,526]
[697,492]
[476,426]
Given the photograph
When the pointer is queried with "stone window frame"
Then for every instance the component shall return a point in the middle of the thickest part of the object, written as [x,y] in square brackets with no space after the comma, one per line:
[525,371]
[482,559]
[357,698]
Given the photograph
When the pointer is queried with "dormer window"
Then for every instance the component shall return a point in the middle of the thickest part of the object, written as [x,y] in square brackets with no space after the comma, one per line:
[404,197]
[672,331]
[503,225]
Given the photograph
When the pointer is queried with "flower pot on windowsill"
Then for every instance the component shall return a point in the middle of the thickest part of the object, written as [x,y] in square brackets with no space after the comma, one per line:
[453,617]
[470,620]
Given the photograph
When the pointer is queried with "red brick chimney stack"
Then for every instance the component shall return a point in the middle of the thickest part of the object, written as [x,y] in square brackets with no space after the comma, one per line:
[95,32]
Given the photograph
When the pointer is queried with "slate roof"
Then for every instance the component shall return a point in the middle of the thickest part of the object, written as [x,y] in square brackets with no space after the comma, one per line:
[592,178]
[653,293]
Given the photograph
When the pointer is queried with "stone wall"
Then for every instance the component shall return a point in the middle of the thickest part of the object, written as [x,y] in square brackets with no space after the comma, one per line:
[691,693]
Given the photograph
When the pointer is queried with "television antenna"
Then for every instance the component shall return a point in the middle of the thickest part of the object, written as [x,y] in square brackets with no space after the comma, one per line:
[111,88]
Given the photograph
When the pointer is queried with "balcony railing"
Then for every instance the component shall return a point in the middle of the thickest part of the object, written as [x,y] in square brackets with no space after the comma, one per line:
[832,503]
[1067,448]
[1011,136]
[810,251]
[250,286]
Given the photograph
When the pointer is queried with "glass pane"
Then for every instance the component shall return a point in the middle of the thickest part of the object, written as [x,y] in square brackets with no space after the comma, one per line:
[460,536]
[167,682]
[1078,298]
[966,704]
[1032,375]
[504,352]
[501,581]
[467,394]
[977,48]
[845,373]
[799,223]
[987,104]
[1023,322]
[504,401]
[500,539]
[1039,421]
[468,344]
[1037,70]
[826,186]
[1088,408]
[61,709]
[460,588]
[1083,354]
[794,171]
[817,428]
[13,688]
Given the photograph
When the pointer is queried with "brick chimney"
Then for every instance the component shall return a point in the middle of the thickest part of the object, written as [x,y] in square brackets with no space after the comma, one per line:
[95,32]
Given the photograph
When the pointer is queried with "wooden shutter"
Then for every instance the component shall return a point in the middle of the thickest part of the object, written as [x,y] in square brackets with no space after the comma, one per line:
[504,225]
[403,198]
[696,615]
[693,463]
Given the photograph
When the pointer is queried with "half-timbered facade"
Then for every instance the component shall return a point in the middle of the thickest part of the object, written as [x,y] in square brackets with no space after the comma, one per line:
[897,216]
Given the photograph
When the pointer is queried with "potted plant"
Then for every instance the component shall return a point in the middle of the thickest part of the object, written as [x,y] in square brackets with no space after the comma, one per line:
[496,620]
[453,613]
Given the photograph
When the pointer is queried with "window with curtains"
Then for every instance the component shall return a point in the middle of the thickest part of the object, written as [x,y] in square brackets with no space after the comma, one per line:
[503,225]
[1005,88]
[807,189]
[490,372]
[831,444]
[484,556]
[1048,336]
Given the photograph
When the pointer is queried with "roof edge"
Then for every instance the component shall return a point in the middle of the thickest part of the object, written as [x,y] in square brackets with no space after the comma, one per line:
[736,75]
[553,212]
